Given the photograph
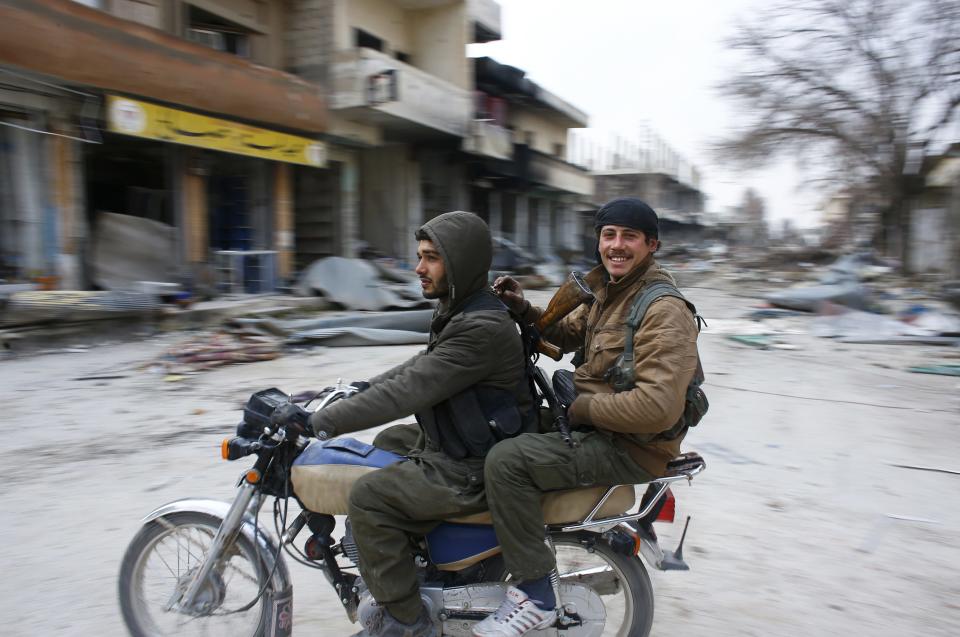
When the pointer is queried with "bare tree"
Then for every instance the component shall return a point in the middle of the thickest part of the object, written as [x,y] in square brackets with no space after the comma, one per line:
[865,88]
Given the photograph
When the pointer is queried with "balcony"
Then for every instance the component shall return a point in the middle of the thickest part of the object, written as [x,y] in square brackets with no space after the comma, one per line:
[559,175]
[488,139]
[374,88]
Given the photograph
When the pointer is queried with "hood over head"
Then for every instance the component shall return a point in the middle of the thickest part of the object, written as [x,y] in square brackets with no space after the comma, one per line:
[464,243]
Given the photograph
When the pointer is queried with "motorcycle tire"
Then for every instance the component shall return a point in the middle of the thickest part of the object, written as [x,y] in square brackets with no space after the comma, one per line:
[628,594]
[157,562]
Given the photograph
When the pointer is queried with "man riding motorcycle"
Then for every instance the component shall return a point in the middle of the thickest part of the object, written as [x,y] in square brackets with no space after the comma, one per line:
[468,389]
[628,416]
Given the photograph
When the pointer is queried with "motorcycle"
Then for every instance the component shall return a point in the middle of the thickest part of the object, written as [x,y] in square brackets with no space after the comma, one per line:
[200,566]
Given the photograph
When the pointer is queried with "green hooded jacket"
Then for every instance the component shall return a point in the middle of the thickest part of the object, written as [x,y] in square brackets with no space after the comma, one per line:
[465,349]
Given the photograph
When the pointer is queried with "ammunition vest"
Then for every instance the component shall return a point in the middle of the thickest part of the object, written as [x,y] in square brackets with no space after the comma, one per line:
[468,424]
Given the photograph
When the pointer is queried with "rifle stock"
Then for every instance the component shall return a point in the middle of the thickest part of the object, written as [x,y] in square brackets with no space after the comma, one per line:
[573,293]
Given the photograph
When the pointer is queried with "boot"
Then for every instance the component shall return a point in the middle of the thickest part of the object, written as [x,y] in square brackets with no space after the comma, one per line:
[377,622]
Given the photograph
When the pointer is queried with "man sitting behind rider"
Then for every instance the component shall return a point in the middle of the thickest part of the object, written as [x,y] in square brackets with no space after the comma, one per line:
[622,437]
[474,351]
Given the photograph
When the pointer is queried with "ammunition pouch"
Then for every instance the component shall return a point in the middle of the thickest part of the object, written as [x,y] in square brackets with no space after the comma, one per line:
[471,422]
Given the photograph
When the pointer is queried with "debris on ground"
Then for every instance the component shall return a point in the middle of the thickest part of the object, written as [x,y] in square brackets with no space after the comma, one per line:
[207,351]
[133,253]
[374,328]
[941,370]
[358,284]
[835,321]
[809,297]
[954,472]
[759,341]
[57,306]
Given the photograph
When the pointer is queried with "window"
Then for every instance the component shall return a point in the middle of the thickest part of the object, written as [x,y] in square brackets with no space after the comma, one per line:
[403,57]
[364,40]
[93,4]
[558,150]
[215,32]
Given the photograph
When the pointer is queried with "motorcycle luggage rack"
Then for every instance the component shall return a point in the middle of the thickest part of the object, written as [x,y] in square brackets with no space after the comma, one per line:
[683,467]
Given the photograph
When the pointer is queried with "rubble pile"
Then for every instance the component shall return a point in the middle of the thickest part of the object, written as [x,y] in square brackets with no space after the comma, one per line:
[855,299]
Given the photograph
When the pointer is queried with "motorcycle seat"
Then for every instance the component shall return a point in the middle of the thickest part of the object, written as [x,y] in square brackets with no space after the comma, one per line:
[326,489]
[573,505]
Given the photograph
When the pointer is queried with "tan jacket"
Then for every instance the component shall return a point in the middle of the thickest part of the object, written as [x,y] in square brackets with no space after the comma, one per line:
[665,350]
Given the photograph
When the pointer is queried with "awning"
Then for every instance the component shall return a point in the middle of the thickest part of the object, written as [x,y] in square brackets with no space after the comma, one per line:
[63,39]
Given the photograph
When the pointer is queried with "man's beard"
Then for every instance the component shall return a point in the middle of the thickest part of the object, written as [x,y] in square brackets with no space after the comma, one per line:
[436,292]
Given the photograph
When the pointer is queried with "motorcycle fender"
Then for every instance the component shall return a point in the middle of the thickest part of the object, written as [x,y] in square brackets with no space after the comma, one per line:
[280,592]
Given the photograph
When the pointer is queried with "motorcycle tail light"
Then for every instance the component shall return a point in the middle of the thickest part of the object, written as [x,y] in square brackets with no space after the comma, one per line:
[669,511]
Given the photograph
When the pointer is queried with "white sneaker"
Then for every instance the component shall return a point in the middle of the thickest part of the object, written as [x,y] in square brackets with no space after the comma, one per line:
[517,615]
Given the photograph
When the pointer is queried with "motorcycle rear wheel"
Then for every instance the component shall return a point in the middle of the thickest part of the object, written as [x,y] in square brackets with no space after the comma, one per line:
[160,559]
[621,581]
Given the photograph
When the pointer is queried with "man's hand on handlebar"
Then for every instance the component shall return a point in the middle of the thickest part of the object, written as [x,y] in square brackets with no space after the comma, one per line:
[293,416]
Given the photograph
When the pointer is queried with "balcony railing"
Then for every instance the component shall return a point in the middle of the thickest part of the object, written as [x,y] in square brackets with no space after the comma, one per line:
[373,84]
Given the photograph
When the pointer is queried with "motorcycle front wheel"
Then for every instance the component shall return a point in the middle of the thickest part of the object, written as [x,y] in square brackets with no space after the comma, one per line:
[620,580]
[160,563]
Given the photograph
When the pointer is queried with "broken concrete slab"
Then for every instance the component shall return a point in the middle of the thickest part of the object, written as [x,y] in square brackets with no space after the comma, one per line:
[358,336]
[39,307]
[356,284]
[129,252]
[808,298]
[375,328]
[948,369]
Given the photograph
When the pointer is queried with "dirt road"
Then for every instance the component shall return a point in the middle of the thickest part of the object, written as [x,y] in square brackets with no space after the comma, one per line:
[803,524]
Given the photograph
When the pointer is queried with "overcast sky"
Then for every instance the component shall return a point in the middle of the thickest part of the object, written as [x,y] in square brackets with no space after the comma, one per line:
[629,62]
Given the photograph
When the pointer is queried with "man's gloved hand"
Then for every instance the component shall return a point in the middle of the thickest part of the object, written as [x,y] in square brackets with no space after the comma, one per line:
[292,415]
[511,294]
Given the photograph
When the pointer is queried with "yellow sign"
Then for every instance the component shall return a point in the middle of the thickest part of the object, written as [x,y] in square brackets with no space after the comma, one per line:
[142,119]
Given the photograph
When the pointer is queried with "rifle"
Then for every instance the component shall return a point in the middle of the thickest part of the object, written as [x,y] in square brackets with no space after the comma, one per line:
[573,293]
[569,297]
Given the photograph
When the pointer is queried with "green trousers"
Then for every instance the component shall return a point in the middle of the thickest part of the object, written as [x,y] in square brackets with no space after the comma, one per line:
[392,506]
[519,469]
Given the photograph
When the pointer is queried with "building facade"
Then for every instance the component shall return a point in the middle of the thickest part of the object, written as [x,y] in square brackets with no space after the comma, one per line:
[229,143]
[177,114]
[521,181]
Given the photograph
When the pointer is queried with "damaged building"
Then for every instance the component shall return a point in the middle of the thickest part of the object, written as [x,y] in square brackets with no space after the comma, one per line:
[647,167]
[133,128]
[225,145]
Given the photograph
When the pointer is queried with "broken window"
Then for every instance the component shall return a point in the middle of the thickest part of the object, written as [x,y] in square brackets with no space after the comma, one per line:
[363,39]
[213,31]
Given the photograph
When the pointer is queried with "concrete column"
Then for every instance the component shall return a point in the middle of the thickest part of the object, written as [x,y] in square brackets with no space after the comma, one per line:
[283,219]
[349,205]
[26,195]
[195,215]
[415,217]
[494,202]
[522,221]
[545,227]
[67,176]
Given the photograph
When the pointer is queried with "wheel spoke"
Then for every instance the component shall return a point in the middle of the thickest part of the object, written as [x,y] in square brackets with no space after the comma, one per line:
[156,569]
